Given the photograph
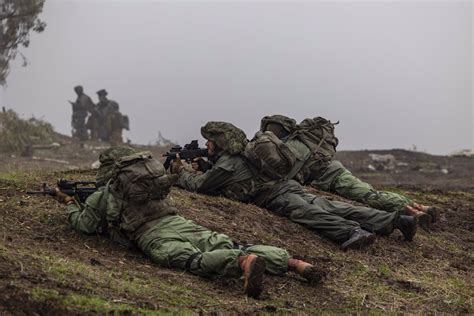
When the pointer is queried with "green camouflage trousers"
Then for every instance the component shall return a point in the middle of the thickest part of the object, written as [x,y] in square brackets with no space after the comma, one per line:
[180,243]
[332,219]
[335,178]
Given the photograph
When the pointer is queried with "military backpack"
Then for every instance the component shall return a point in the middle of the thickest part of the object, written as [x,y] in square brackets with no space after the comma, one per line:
[318,134]
[272,157]
[139,178]
[139,181]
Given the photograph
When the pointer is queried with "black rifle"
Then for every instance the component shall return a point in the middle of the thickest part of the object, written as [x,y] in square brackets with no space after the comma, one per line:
[81,189]
[188,153]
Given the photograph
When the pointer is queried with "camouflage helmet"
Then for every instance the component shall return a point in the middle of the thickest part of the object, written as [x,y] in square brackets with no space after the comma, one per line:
[107,160]
[287,123]
[227,136]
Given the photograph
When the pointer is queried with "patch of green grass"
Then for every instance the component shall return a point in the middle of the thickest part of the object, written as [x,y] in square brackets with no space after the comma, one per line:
[71,272]
[93,303]
[360,269]
[384,270]
[41,294]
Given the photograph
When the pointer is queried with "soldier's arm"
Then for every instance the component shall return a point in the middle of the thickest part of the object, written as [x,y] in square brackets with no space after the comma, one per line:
[209,182]
[88,218]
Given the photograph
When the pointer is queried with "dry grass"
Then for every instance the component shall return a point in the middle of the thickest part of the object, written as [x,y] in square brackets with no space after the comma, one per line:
[48,268]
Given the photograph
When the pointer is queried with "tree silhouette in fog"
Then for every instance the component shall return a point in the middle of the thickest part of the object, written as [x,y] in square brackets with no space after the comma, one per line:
[17,19]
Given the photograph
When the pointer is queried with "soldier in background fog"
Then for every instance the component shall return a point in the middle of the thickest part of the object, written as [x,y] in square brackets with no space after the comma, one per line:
[116,122]
[93,123]
[103,109]
[80,108]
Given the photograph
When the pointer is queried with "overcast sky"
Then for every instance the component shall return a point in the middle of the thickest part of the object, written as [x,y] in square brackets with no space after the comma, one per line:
[395,74]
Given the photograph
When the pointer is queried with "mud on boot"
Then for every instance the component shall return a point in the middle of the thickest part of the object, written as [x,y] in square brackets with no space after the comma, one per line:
[407,225]
[306,270]
[253,268]
[423,219]
[430,210]
[359,239]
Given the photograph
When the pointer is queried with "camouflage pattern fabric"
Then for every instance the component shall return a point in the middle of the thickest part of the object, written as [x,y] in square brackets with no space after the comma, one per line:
[226,136]
[107,160]
[287,123]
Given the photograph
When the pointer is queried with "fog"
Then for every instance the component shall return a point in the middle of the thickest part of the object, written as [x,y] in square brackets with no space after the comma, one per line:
[395,74]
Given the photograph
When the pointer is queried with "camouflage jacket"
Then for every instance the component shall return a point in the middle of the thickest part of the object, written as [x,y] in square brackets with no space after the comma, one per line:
[230,176]
[91,217]
[102,213]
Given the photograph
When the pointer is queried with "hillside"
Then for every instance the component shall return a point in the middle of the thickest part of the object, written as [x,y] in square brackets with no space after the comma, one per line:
[46,268]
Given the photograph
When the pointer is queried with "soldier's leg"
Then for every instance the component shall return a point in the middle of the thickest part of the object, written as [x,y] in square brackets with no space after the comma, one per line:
[290,202]
[276,259]
[370,219]
[81,127]
[169,245]
[338,179]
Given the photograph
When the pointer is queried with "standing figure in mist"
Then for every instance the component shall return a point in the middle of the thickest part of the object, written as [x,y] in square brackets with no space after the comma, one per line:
[103,109]
[110,121]
[80,108]
[116,122]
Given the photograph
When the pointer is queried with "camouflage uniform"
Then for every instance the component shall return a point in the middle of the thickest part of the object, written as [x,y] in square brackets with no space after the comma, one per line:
[80,108]
[332,176]
[168,239]
[232,177]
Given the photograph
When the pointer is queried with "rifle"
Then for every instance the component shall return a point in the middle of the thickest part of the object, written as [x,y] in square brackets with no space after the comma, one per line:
[81,189]
[188,153]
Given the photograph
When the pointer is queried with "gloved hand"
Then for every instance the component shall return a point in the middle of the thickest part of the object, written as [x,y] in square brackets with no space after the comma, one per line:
[176,166]
[62,197]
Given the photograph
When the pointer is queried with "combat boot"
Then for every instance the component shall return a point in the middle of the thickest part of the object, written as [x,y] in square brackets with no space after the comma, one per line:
[424,220]
[430,210]
[253,268]
[359,239]
[407,225]
[306,270]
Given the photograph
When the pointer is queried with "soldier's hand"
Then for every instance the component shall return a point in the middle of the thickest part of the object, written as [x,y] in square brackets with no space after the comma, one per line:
[195,164]
[63,197]
[176,165]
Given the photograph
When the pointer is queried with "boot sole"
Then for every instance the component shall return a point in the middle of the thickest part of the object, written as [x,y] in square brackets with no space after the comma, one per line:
[255,279]
[434,213]
[313,276]
[360,243]
[424,220]
[412,235]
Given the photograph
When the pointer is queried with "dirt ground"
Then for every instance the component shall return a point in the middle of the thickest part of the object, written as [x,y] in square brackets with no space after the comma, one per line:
[46,268]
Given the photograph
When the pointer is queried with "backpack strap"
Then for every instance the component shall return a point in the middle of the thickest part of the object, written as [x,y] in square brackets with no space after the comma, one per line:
[298,165]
